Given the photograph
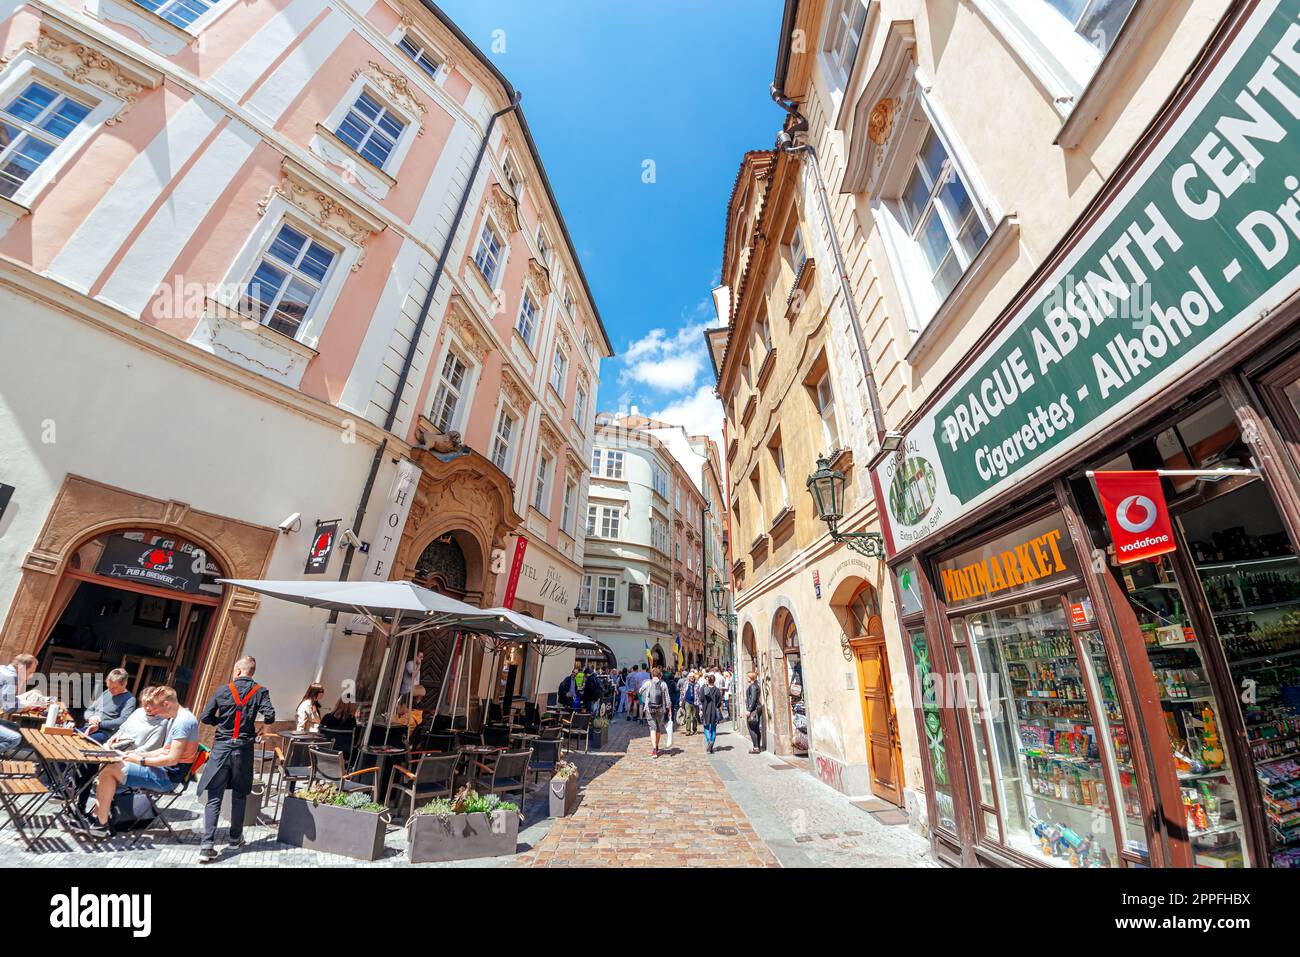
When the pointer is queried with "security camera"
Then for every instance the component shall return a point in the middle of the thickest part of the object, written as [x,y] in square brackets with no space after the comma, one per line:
[291,524]
[350,537]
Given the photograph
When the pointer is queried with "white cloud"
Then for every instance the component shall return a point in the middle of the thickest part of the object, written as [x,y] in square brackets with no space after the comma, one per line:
[666,363]
[700,413]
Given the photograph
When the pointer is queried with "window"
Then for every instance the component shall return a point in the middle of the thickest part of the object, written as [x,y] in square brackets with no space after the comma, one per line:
[371,129]
[677,600]
[825,401]
[635,597]
[418,51]
[778,460]
[658,602]
[559,370]
[446,400]
[798,255]
[847,23]
[501,439]
[677,497]
[755,485]
[488,255]
[936,209]
[606,594]
[180,13]
[580,405]
[677,551]
[287,279]
[543,247]
[1097,21]
[526,324]
[611,460]
[32,125]
[584,595]
[566,514]
[587,346]
[764,339]
[567,298]
[542,488]
[604,520]
[659,476]
[659,535]
[512,177]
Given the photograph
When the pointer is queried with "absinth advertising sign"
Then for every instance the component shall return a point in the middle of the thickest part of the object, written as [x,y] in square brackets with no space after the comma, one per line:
[1196,248]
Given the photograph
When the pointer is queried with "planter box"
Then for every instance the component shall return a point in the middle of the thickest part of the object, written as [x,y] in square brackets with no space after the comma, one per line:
[564,796]
[252,807]
[597,740]
[334,830]
[463,837]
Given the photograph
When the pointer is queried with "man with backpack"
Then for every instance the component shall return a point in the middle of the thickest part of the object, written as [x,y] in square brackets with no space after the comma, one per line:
[657,700]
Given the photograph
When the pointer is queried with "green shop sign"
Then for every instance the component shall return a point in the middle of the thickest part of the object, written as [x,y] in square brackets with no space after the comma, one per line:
[1195,249]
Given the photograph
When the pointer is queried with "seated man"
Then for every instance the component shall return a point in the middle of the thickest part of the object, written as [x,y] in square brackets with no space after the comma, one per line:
[143,730]
[158,770]
[13,679]
[111,708]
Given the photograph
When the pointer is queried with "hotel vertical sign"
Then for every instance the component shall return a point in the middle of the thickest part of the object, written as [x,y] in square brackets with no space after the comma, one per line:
[1195,249]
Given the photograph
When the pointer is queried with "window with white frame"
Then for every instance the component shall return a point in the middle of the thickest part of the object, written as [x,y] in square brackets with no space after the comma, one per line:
[567,298]
[542,487]
[179,13]
[543,246]
[420,52]
[580,404]
[487,257]
[659,477]
[606,594]
[677,600]
[287,280]
[512,176]
[526,324]
[824,399]
[936,209]
[32,125]
[778,461]
[584,595]
[502,438]
[371,128]
[607,463]
[677,497]
[677,551]
[844,36]
[587,345]
[559,370]
[1096,21]
[566,512]
[659,535]
[798,255]
[658,602]
[604,521]
[447,398]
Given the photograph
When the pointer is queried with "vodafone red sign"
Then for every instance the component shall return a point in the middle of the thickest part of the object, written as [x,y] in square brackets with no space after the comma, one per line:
[1134,504]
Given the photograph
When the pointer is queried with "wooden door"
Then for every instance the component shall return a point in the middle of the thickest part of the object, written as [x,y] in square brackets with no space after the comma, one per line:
[883,751]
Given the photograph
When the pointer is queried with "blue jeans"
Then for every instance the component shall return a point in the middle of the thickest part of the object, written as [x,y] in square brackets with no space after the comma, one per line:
[711,732]
[9,738]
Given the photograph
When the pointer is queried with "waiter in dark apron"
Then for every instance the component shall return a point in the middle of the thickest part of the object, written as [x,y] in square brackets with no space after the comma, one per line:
[233,711]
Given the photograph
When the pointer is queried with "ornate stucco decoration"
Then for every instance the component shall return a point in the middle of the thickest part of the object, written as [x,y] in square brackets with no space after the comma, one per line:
[504,207]
[514,391]
[880,122]
[300,189]
[397,88]
[549,434]
[83,63]
[540,277]
[467,331]
[564,342]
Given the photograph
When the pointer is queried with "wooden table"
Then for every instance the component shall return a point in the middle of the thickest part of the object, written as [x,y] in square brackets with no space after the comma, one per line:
[58,753]
[20,791]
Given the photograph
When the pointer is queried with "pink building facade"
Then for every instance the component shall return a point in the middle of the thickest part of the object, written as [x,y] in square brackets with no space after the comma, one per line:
[270,270]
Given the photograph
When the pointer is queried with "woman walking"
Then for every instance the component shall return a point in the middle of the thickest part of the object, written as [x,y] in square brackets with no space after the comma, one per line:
[710,711]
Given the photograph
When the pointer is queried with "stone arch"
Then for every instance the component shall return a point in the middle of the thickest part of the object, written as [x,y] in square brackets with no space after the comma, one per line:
[84,509]
[782,639]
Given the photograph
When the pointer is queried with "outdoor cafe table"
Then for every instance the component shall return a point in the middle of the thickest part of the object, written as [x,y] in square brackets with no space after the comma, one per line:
[58,753]
[472,754]
[384,758]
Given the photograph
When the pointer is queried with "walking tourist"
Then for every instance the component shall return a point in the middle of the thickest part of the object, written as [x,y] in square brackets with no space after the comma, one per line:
[690,702]
[754,712]
[158,770]
[657,700]
[710,710]
[233,711]
[620,685]
[634,681]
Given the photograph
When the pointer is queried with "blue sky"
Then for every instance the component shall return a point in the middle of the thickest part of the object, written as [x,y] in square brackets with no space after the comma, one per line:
[608,85]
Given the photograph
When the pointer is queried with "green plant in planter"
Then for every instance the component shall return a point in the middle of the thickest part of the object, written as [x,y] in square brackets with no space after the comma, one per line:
[600,724]
[328,794]
[466,801]
[565,770]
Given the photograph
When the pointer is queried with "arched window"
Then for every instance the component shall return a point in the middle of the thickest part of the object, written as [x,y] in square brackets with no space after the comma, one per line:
[864,606]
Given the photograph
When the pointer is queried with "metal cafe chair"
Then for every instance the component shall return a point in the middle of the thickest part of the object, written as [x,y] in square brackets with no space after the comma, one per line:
[434,776]
[292,766]
[508,776]
[330,767]
[546,757]
[579,726]
[341,739]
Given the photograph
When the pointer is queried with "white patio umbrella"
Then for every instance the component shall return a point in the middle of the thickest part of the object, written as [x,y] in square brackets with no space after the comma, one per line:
[546,638]
[410,608]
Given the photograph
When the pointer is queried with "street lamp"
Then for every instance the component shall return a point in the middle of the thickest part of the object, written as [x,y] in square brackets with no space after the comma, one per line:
[720,603]
[826,486]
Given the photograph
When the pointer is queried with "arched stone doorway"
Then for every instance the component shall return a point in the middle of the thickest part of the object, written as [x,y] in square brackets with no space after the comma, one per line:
[656,657]
[441,567]
[85,512]
[866,631]
[790,725]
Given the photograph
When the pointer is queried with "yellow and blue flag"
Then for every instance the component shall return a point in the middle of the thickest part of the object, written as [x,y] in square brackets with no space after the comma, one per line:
[679,651]
[647,650]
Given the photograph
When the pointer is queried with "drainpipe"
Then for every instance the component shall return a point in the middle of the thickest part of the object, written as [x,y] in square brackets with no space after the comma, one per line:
[785,143]
[410,360]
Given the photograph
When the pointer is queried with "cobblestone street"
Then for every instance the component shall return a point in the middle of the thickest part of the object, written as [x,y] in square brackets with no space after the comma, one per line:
[683,809]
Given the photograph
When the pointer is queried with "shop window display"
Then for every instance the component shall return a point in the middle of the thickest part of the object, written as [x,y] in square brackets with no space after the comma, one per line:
[930,688]
[1046,738]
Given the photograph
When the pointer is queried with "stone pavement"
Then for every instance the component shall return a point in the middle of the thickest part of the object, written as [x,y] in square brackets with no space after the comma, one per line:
[641,811]
[804,822]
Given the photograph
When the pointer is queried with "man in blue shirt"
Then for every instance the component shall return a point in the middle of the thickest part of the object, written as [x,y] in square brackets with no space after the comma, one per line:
[111,708]
[13,679]
[158,770]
